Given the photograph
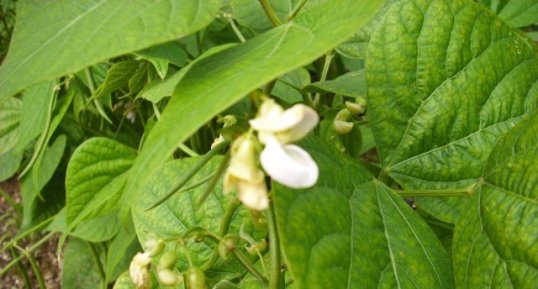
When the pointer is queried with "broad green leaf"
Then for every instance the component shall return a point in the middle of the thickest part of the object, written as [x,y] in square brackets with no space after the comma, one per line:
[79,269]
[53,38]
[37,101]
[95,178]
[445,81]
[180,212]
[171,51]
[495,240]
[10,112]
[218,81]
[517,13]
[363,235]
[350,84]
[116,77]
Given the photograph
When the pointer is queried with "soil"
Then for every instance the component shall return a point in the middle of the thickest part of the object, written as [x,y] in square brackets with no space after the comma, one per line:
[44,256]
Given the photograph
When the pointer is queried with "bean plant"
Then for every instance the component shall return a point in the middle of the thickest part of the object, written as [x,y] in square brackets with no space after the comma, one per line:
[274,143]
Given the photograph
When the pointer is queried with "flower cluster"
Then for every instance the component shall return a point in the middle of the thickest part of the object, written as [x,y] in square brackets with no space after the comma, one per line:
[285,163]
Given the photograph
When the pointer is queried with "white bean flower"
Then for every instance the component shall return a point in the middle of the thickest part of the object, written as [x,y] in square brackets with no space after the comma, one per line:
[287,164]
[139,270]
[244,174]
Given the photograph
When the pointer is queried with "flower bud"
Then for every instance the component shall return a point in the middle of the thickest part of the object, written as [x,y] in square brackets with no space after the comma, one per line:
[168,277]
[168,260]
[196,279]
[154,246]
[355,108]
[342,127]
[226,246]
[258,247]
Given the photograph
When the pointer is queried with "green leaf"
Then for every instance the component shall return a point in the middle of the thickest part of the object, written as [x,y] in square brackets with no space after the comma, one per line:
[179,213]
[495,239]
[33,183]
[51,37]
[251,15]
[171,51]
[95,178]
[158,90]
[10,112]
[218,81]
[120,252]
[363,235]
[350,84]
[116,77]
[289,85]
[79,269]
[517,13]
[9,164]
[445,81]
[37,101]
[124,282]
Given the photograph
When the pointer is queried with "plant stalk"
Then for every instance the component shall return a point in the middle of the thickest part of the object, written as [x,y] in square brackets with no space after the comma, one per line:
[270,12]
[274,248]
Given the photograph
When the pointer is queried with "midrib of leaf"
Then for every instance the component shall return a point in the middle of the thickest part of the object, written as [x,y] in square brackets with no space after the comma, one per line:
[412,230]
[455,141]
[51,39]
[429,97]
[387,236]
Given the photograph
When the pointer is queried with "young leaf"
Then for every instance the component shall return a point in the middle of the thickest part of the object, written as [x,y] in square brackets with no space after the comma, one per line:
[117,76]
[66,38]
[362,236]
[350,84]
[218,81]
[434,112]
[495,239]
[95,178]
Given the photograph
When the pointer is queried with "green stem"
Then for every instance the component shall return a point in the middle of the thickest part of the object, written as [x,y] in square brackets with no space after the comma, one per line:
[326,65]
[21,269]
[248,265]
[192,172]
[237,31]
[224,227]
[214,180]
[35,268]
[19,258]
[271,14]
[274,248]
[296,10]
[437,193]
[26,233]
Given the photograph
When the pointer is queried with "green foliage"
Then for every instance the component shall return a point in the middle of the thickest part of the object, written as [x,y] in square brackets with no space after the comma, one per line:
[129,127]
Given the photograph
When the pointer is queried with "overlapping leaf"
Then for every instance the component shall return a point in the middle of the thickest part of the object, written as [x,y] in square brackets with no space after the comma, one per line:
[516,13]
[495,240]
[218,81]
[53,38]
[352,232]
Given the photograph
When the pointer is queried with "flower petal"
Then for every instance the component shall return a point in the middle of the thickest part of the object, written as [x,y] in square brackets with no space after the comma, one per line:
[309,120]
[253,195]
[289,165]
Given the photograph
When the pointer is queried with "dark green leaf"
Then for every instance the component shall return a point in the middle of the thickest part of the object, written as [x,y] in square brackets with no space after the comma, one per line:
[350,84]
[79,269]
[116,77]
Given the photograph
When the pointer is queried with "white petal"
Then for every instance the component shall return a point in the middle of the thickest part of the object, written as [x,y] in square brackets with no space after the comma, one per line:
[253,195]
[309,120]
[289,165]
